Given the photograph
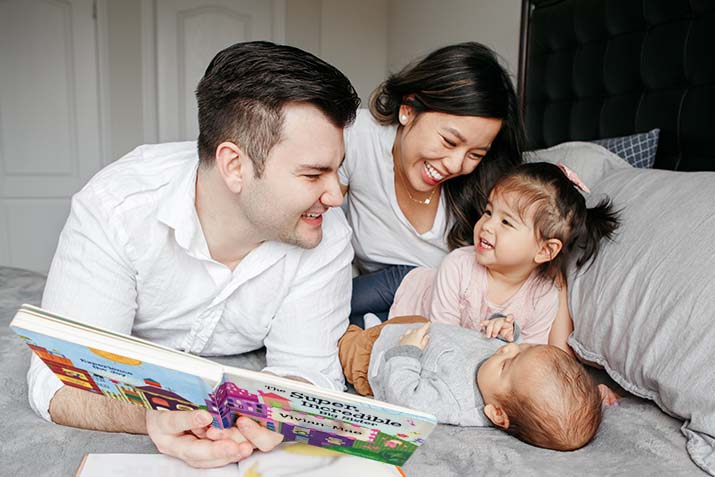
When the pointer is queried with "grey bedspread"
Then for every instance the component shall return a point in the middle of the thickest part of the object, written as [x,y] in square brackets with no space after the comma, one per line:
[636,438]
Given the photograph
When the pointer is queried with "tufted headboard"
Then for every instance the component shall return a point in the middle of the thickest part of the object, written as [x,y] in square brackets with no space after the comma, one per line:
[591,69]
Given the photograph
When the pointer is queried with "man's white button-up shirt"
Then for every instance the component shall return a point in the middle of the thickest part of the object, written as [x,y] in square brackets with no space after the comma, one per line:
[132,257]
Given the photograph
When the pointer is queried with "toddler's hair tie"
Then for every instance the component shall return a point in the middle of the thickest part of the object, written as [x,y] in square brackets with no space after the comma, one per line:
[574,178]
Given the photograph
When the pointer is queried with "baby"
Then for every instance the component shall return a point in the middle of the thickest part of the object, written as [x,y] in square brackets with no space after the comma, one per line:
[538,393]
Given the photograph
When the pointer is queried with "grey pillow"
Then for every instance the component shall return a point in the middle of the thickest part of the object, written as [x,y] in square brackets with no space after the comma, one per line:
[590,161]
[645,309]
[638,150]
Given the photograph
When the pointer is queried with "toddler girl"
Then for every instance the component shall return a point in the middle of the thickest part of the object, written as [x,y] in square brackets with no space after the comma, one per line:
[534,223]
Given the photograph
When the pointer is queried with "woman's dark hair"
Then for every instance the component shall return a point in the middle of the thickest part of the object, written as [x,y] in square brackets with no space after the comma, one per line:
[245,87]
[560,212]
[465,79]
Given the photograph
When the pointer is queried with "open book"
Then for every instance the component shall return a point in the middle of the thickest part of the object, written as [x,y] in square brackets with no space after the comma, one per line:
[289,459]
[139,372]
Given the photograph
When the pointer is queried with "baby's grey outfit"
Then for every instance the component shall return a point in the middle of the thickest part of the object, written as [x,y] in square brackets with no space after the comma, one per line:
[440,380]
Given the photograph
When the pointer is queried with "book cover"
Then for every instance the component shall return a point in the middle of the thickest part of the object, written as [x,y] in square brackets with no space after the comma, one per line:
[142,373]
[119,377]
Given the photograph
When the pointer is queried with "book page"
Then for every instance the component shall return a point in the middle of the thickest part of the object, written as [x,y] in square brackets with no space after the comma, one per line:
[133,465]
[301,460]
[288,459]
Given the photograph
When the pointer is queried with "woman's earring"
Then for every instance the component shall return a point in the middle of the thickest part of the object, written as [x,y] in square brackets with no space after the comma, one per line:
[403,118]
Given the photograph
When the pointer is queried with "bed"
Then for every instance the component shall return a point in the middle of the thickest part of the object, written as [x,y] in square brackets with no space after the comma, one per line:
[589,69]
[636,438]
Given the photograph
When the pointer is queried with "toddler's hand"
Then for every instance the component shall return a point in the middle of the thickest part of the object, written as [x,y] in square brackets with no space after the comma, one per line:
[608,396]
[416,337]
[502,327]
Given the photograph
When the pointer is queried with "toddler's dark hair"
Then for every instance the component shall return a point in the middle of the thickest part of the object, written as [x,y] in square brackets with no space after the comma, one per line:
[560,212]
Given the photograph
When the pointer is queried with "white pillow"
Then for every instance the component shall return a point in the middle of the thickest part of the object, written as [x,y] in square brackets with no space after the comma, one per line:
[590,161]
[645,309]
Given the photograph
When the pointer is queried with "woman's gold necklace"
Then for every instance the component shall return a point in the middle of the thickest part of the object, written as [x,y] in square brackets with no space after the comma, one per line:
[404,185]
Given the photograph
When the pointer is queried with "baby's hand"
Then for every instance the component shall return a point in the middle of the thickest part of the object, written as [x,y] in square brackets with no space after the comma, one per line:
[416,337]
[502,327]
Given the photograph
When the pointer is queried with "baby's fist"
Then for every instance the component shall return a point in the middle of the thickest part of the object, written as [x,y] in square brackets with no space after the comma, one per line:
[416,337]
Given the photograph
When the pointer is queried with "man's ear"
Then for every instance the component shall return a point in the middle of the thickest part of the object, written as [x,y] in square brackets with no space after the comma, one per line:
[232,164]
[497,416]
[548,251]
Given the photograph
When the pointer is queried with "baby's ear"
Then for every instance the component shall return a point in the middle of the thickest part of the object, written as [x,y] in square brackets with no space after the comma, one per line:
[548,251]
[497,416]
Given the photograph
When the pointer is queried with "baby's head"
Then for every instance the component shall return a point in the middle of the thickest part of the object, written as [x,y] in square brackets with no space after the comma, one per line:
[537,210]
[541,395]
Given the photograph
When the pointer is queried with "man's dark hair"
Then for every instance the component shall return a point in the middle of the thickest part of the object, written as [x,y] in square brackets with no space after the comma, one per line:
[245,87]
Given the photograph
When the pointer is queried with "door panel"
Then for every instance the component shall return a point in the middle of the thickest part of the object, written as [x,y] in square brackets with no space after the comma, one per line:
[189,33]
[49,122]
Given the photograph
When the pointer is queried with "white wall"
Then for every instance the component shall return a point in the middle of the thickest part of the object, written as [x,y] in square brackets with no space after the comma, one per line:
[417,27]
[348,34]
[354,38]
[303,23]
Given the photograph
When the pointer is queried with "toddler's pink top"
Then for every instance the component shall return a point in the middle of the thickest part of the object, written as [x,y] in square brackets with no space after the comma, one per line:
[456,293]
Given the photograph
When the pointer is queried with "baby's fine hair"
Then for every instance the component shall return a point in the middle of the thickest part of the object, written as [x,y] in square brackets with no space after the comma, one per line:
[559,408]
[560,212]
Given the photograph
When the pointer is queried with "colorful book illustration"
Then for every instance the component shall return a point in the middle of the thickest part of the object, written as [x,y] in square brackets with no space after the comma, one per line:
[140,372]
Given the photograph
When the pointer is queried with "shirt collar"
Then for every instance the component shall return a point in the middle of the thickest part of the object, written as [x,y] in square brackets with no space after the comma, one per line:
[178,211]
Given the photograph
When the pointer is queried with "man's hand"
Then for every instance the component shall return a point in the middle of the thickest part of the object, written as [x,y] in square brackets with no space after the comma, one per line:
[249,431]
[502,327]
[187,435]
[416,337]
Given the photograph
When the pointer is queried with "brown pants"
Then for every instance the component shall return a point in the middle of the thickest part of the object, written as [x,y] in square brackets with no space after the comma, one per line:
[355,346]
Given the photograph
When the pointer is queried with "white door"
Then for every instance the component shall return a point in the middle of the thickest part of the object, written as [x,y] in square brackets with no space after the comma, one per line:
[188,34]
[50,142]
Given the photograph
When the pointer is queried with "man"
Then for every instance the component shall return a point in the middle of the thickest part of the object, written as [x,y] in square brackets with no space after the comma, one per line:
[217,252]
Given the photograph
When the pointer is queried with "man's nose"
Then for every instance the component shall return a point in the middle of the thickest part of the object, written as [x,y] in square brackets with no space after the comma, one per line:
[333,196]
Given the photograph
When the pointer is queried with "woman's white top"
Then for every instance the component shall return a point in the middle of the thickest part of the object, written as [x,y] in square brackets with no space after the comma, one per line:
[382,235]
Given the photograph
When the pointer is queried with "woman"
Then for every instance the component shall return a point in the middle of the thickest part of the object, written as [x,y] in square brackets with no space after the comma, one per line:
[419,163]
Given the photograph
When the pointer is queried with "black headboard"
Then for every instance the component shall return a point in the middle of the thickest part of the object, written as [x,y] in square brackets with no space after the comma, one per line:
[593,69]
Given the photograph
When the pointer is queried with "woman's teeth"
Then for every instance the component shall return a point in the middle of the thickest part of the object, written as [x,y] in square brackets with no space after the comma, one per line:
[432,172]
